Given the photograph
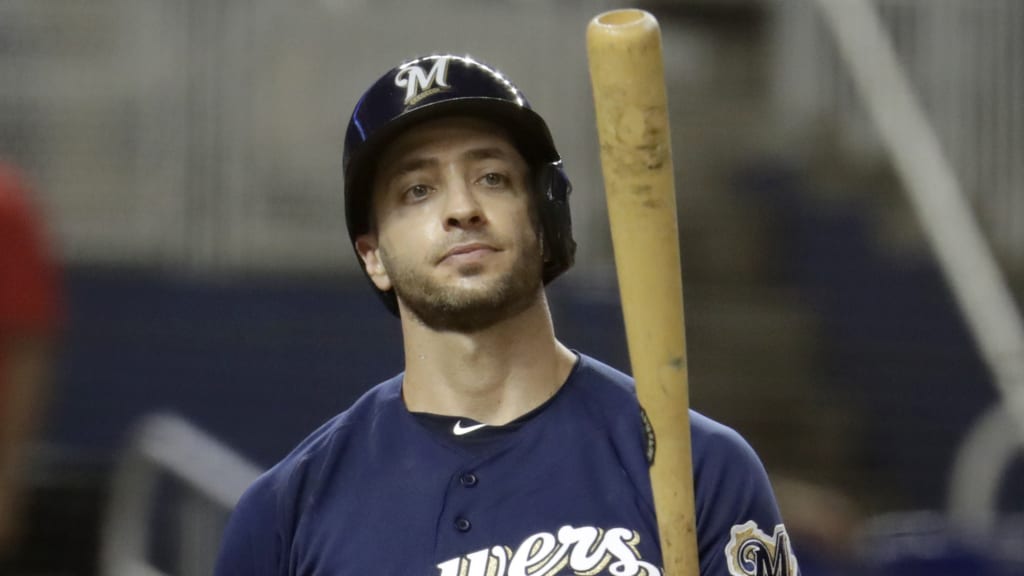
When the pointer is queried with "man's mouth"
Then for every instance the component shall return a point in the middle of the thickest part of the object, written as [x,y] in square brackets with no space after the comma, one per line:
[468,252]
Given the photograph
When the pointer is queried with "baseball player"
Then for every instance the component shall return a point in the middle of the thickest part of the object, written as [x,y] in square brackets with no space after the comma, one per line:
[498,451]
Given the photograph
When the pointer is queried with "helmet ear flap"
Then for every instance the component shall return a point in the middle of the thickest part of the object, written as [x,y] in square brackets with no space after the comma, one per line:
[553,189]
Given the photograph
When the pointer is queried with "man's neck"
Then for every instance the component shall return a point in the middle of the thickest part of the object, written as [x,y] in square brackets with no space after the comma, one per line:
[493,376]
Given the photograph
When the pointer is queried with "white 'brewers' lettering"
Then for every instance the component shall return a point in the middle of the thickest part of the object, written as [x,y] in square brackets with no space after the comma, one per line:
[583,550]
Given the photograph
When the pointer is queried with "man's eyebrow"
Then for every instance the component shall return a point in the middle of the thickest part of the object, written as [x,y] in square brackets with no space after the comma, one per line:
[487,153]
[425,162]
[412,165]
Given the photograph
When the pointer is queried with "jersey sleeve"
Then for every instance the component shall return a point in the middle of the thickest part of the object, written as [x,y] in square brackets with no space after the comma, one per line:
[251,544]
[739,529]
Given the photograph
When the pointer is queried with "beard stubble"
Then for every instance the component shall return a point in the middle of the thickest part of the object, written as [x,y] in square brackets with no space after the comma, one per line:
[452,308]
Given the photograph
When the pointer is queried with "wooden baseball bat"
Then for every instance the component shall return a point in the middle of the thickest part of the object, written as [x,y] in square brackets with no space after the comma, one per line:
[628,79]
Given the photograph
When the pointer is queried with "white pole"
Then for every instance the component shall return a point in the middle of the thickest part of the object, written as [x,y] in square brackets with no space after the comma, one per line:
[969,267]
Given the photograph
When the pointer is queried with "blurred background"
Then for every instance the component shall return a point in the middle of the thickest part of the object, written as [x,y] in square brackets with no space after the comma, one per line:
[204,311]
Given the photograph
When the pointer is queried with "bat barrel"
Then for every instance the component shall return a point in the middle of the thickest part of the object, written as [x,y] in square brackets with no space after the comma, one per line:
[630,100]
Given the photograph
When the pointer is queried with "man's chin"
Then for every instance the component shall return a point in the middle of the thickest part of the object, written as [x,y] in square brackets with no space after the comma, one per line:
[468,309]
[470,271]
[464,316]
[467,299]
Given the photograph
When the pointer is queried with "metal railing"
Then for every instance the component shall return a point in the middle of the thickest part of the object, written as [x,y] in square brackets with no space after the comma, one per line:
[212,477]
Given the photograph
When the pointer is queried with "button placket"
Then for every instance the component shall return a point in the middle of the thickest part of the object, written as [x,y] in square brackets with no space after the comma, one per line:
[462,499]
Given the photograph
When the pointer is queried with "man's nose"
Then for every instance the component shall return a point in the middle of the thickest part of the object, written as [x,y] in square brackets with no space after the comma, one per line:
[462,207]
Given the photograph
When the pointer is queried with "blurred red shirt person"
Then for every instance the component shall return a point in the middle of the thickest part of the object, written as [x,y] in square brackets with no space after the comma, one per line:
[29,318]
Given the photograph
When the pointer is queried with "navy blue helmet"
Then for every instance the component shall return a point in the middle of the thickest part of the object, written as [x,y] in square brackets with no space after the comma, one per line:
[445,85]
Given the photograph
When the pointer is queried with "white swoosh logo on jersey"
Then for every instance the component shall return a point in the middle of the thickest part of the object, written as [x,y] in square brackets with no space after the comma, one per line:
[460,430]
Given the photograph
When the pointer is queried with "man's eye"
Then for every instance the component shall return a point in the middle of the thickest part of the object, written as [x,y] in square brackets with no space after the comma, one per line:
[494,179]
[417,192]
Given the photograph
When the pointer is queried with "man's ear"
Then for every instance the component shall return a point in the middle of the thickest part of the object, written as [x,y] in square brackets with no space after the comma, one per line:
[369,252]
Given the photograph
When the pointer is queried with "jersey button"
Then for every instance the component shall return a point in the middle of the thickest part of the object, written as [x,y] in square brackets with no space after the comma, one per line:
[462,525]
[468,479]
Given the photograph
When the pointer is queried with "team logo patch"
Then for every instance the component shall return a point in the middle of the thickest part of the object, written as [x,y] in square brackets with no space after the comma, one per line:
[420,83]
[751,552]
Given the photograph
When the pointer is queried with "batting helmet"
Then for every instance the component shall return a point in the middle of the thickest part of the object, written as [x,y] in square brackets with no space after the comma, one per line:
[445,85]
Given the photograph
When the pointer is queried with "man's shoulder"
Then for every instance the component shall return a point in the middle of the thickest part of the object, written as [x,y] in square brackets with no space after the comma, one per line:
[730,479]
[715,442]
[712,441]
[710,431]
[603,379]
[363,411]
[261,528]
[329,440]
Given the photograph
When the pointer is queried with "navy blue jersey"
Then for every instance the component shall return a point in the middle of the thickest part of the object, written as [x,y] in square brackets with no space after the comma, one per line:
[379,491]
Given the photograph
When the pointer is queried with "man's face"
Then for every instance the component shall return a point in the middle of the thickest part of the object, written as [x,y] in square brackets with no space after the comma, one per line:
[454,234]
